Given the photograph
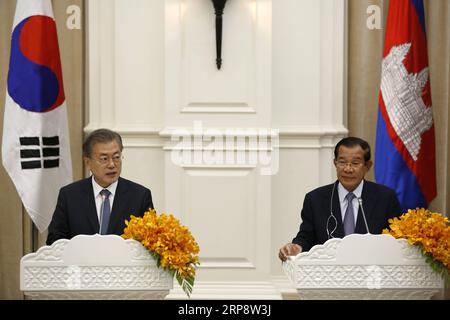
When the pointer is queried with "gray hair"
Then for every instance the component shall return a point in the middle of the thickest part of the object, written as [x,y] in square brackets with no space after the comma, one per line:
[100,136]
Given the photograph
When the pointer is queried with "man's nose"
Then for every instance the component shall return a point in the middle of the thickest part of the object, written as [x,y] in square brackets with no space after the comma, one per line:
[348,168]
[111,163]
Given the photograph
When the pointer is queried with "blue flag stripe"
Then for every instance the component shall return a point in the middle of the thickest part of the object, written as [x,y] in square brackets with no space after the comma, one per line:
[418,5]
[391,170]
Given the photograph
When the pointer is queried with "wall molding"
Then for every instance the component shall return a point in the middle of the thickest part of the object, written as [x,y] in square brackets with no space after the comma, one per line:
[217,108]
[302,137]
[243,255]
[193,85]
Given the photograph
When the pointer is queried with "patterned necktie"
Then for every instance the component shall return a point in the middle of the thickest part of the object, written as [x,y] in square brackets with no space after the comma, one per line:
[349,218]
[105,211]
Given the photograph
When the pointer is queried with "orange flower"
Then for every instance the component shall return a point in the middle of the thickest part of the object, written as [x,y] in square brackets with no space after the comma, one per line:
[429,230]
[172,244]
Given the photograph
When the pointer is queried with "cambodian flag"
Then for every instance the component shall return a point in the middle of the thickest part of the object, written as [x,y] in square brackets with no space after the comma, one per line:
[405,142]
[35,146]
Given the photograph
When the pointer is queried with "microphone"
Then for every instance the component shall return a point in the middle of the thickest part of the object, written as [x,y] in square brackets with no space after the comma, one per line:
[360,201]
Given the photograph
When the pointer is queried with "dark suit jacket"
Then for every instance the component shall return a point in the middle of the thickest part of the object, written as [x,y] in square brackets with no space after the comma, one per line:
[380,203]
[76,213]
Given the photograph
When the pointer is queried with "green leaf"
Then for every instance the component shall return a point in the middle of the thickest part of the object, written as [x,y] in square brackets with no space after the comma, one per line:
[187,283]
[437,266]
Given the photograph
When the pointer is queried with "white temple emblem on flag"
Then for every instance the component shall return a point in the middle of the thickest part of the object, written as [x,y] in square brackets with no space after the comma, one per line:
[402,95]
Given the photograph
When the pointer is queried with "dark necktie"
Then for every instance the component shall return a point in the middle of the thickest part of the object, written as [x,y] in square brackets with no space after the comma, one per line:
[349,218]
[105,211]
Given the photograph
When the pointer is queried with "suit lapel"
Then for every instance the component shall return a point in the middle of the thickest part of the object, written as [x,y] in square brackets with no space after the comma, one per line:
[119,206]
[368,202]
[90,209]
[338,214]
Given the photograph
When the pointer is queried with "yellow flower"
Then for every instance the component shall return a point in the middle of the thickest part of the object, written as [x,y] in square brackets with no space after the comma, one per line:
[170,243]
[430,231]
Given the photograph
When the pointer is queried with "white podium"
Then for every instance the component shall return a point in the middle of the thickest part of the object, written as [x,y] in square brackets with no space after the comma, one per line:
[93,267]
[363,267]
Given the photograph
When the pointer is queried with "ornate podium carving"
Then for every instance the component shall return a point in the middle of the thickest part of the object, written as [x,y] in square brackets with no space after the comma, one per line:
[93,267]
[363,267]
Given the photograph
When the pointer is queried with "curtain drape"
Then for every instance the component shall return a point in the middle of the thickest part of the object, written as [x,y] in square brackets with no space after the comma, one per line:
[365,49]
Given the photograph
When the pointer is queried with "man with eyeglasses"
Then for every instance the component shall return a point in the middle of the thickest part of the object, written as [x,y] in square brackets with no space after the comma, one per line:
[102,202]
[350,205]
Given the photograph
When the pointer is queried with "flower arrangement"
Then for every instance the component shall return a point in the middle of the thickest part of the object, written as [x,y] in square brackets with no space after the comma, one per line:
[171,244]
[428,230]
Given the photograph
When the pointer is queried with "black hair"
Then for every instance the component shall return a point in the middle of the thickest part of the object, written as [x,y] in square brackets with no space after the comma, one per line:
[350,142]
[100,136]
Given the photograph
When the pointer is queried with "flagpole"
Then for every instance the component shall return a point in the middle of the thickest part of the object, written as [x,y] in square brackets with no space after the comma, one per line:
[34,237]
[30,234]
[27,233]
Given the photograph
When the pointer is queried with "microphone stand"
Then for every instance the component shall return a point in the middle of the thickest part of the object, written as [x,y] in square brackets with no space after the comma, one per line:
[363,214]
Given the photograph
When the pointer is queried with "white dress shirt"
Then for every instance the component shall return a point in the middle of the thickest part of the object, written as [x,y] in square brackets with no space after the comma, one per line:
[98,197]
[343,202]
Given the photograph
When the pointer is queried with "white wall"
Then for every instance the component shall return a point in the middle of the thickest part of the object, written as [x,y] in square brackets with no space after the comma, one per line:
[308,107]
[152,75]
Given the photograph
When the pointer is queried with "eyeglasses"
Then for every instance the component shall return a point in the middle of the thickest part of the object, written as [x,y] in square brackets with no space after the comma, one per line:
[353,165]
[104,160]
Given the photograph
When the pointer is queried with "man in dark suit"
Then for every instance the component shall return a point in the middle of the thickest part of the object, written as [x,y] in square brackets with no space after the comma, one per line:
[329,211]
[102,202]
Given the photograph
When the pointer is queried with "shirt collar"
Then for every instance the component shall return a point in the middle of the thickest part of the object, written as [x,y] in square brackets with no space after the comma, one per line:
[98,188]
[343,192]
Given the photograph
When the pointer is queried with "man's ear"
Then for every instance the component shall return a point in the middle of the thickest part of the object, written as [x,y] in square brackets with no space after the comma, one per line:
[87,162]
[368,164]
